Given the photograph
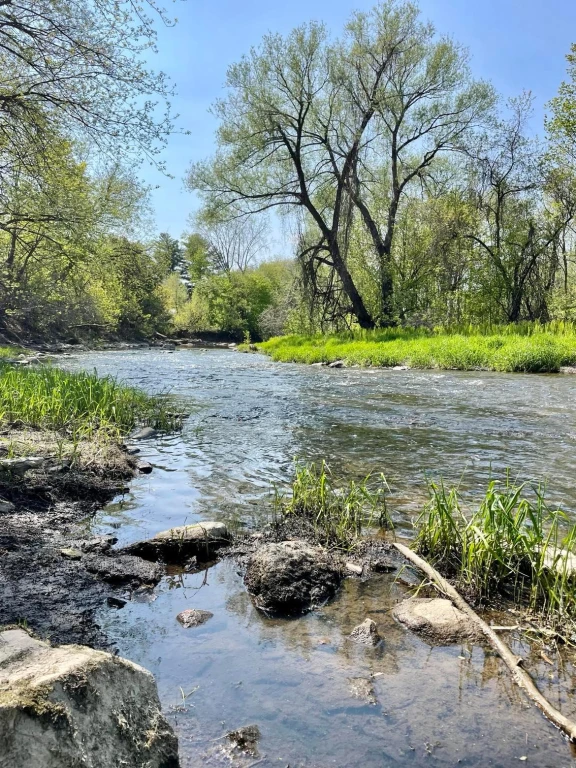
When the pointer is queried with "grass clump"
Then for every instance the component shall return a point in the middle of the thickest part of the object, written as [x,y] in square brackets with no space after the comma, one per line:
[506,349]
[337,511]
[512,547]
[81,404]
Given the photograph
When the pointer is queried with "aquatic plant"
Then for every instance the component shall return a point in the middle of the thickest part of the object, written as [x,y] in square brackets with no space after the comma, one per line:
[528,349]
[514,546]
[338,511]
[80,404]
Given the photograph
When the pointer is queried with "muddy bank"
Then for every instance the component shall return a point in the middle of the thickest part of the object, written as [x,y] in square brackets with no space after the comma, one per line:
[54,576]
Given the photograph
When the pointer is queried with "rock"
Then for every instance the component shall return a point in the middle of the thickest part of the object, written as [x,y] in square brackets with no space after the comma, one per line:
[144,467]
[123,568]
[400,368]
[383,565]
[71,553]
[22,465]
[291,577]
[354,569]
[246,739]
[193,617]
[143,434]
[115,602]
[7,506]
[132,451]
[201,539]
[98,543]
[72,706]
[363,688]
[337,364]
[366,633]
[437,619]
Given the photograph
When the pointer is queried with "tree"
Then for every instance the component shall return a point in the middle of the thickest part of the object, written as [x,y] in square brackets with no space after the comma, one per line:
[168,252]
[78,66]
[561,126]
[307,124]
[233,243]
[526,204]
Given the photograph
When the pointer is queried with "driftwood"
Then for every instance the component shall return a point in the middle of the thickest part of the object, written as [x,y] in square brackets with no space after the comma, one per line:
[514,663]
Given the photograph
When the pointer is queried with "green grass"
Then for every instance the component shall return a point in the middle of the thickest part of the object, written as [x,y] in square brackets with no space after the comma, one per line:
[10,352]
[80,404]
[527,348]
[337,511]
[513,546]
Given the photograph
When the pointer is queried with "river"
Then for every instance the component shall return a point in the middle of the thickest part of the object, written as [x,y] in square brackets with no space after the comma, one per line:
[295,679]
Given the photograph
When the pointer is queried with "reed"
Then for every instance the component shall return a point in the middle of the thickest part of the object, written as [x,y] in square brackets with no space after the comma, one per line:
[338,511]
[79,404]
[513,546]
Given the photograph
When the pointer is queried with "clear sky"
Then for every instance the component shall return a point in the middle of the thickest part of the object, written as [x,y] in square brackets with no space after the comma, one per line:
[517,44]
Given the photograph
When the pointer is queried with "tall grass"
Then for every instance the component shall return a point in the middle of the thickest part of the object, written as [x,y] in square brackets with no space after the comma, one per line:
[337,511]
[513,546]
[79,403]
[530,348]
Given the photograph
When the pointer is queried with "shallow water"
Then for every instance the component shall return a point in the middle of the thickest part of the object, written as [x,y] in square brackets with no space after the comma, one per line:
[250,418]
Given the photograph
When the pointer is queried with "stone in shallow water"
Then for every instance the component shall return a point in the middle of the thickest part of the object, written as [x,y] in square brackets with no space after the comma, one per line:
[123,568]
[246,739]
[193,617]
[366,633]
[437,619]
[68,706]
[363,688]
[200,539]
[291,577]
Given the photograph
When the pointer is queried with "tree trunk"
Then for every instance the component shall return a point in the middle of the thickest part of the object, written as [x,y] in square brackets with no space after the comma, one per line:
[358,307]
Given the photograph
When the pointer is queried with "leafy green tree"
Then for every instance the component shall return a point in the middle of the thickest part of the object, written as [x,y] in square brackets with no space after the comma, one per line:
[168,252]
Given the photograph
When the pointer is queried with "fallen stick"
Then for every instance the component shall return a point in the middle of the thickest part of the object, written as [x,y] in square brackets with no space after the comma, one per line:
[521,677]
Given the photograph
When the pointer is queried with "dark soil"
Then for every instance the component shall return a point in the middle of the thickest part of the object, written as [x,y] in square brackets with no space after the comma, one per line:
[56,594]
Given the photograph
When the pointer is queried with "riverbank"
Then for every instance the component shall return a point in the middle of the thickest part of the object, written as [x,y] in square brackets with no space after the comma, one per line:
[62,457]
[505,351]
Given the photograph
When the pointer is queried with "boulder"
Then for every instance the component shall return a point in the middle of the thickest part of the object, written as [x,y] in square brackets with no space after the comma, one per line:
[437,619]
[71,706]
[291,577]
[201,540]
[366,633]
[192,617]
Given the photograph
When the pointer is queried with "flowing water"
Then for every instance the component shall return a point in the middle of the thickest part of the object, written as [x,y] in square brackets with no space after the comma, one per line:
[297,680]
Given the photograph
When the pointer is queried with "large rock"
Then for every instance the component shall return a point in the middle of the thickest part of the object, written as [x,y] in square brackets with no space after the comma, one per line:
[291,577]
[123,569]
[71,706]
[201,540]
[366,633]
[437,619]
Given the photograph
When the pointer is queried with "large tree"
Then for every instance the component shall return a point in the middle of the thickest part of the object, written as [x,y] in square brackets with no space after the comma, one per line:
[314,125]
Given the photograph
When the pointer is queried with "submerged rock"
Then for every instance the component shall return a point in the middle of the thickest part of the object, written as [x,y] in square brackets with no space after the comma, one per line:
[437,619]
[143,434]
[6,506]
[72,706]
[366,633]
[363,688]
[193,617]
[246,739]
[291,577]
[201,539]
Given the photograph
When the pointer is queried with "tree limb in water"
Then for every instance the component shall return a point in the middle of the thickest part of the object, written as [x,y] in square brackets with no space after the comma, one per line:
[521,677]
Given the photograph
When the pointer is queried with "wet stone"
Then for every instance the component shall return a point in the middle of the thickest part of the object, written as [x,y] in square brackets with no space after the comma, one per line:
[354,569]
[193,617]
[71,554]
[246,739]
[363,688]
[124,568]
[143,434]
[436,619]
[383,565]
[366,633]
[144,467]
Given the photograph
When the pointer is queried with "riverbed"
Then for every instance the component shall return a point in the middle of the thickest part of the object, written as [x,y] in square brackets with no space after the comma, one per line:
[297,680]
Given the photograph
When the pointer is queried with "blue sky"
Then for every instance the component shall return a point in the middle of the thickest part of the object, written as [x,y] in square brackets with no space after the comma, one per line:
[517,44]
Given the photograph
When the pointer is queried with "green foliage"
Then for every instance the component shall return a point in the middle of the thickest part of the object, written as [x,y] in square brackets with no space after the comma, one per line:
[540,352]
[513,546]
[338,511]
[81,404]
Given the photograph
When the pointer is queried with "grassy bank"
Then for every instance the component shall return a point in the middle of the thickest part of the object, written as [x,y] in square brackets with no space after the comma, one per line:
[513,546]
[529,348]
[77,404]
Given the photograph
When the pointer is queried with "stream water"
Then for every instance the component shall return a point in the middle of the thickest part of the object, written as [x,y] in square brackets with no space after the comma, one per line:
[297,680]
